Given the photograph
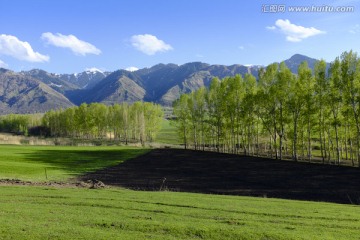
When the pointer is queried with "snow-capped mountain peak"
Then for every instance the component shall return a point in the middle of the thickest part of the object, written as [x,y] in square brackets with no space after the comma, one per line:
[93,70]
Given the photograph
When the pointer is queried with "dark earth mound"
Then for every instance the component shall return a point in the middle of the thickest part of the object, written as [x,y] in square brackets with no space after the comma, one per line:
[209,172]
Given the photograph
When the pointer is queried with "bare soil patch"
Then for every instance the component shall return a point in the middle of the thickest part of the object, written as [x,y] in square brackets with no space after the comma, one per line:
[91,183]
[209,172]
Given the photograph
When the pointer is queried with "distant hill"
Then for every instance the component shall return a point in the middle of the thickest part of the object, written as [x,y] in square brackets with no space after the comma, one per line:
[294,62]
[162,83]
[24,94]
[52,80]
[38,90]
[203,77]
[120,86]
[85,80]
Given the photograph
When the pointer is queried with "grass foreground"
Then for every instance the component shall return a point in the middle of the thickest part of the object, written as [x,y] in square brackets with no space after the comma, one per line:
[35,212]
[58,163]
[70,213]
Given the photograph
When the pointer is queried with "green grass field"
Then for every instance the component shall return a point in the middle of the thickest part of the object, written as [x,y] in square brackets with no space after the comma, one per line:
[61,163]
[33,212]
[167,134]
[68,213]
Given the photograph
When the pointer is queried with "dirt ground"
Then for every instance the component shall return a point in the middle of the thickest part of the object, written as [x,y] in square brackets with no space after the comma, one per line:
[93,184]
[208,172]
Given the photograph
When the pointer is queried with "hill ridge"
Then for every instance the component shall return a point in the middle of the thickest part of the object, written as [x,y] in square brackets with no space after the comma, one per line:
[161,83]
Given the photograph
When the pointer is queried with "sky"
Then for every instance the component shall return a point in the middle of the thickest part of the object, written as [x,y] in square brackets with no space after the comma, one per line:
[69,36]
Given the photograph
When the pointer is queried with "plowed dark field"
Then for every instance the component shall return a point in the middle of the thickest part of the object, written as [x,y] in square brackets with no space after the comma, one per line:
[208,172]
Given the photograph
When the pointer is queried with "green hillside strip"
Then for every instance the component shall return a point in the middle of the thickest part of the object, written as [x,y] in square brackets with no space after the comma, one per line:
[70,213]
[61,163]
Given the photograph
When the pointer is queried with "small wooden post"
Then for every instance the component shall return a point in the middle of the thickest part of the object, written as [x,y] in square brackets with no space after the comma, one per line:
[46,174]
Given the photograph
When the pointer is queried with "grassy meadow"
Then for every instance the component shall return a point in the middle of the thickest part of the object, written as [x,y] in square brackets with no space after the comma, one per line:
[70,213]
[35,212]
[29,163]
[168,134]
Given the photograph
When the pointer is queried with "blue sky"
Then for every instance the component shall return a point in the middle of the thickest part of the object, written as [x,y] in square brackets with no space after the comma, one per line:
[66,36]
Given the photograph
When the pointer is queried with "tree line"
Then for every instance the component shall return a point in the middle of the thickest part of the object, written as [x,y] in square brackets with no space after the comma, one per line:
[138,122]
[281,114]
[19,123]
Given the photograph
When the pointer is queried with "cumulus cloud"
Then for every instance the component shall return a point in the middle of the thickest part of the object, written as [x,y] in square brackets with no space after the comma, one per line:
[294,33]
[12,46]
[76,45]
[149,44]
[3,64]
[131,69]
[271,27]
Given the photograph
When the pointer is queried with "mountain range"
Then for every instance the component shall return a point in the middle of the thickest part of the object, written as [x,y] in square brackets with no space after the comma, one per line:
[39,91]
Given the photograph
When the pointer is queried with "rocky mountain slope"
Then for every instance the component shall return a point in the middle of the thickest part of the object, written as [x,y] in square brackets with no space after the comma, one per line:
[24,94]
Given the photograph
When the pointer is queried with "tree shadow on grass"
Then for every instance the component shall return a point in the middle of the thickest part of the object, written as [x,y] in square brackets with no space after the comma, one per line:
[75,162]
[209,172]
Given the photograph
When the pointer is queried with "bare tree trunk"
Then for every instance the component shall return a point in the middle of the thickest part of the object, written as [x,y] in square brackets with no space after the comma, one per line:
[330,147]
[281,146]
[276,150]
[358,147]
[202,135]
[295,156]
[346,142]
[218,138]
[326,153]
[249,140]
[337,145]
[356,117]
[303,146]
[270,147]
[321,146]
[309,140]
[195,137]
[351,153]
[185,139]
[257,138]
[281,133]
[237,145]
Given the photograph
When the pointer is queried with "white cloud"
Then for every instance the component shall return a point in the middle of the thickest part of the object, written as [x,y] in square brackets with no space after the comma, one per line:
[3,64]
[149,44]
[241,47]
[294,33]
[199,55]
[355,29]
[12,46]
[131,69]
[76,45]
[271,27]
